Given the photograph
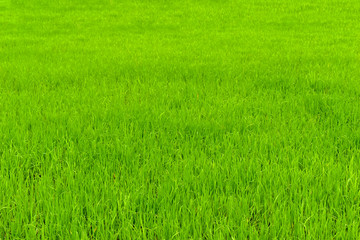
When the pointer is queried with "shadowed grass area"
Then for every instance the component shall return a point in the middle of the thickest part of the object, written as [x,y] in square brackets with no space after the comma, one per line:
[179,120]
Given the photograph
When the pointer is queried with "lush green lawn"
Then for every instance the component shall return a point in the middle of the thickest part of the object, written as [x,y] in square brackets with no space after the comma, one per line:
[179,119]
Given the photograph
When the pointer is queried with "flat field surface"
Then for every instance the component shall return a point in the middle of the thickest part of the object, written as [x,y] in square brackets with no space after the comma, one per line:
[179,119]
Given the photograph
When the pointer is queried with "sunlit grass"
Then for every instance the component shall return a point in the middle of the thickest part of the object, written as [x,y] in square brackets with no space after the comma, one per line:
[179,120]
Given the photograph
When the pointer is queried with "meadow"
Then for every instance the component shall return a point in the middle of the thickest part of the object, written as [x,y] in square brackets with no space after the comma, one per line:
[194,119]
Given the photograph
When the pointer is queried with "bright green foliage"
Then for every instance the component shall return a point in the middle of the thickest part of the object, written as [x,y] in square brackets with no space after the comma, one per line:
[179,119]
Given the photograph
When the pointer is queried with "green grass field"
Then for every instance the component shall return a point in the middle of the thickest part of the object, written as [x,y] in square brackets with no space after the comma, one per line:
[180,119]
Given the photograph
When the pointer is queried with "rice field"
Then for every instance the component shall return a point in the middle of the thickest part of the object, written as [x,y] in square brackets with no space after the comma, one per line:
[195,119]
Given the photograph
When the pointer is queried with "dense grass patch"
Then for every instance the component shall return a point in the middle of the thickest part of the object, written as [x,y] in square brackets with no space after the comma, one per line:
[177,120]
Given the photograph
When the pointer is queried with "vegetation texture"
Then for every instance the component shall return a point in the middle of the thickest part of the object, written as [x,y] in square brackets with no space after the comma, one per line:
[179,119]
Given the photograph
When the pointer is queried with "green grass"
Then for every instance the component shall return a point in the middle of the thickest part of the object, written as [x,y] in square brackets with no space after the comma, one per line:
[179,119]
